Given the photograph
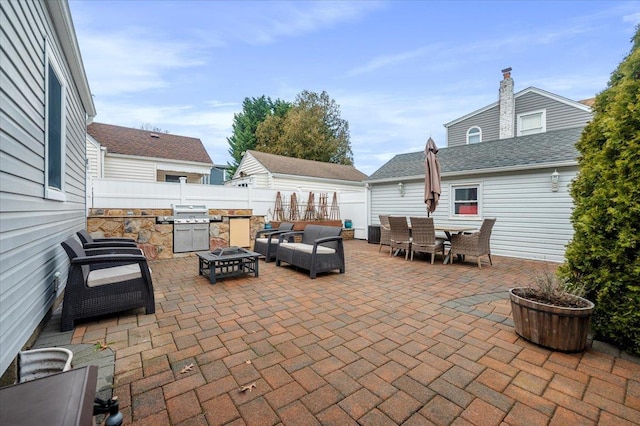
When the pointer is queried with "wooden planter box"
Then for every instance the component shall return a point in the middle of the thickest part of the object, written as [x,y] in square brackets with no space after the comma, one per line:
[554,327]
[299,225]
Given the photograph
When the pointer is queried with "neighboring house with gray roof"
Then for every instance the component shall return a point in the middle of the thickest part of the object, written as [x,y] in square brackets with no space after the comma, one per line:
[503,170]
[262,170]
[116,152]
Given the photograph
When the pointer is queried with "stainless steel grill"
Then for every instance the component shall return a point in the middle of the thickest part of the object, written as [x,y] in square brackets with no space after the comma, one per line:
[188,213]
[190,228]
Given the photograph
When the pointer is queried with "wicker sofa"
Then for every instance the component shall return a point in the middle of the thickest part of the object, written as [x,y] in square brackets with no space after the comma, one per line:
[320,249]
[105,281]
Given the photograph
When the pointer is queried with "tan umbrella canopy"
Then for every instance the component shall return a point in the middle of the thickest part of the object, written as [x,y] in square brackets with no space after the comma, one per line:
[431,176]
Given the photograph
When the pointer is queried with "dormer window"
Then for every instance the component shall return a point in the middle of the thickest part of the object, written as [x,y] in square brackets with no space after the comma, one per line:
[532,122]
[474,135]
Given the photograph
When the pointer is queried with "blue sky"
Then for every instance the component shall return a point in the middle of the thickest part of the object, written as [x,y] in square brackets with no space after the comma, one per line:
[398,70]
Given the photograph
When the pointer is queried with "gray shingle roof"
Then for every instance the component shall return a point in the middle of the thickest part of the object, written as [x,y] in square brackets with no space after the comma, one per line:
[543,148]
[128,141]
[280,164]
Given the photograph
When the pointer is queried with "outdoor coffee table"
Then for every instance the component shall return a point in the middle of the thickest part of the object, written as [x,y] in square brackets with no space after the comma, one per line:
[227,262]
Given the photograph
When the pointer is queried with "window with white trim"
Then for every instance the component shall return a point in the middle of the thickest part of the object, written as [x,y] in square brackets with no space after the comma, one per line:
[474,135]
[55,151]
[533,122]
[465,200]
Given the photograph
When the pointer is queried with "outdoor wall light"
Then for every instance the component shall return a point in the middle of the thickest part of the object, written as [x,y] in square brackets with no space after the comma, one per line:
[401,189]
[555,181]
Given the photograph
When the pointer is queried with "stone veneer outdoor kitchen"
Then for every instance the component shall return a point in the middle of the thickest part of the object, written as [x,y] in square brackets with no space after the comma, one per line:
[156,239]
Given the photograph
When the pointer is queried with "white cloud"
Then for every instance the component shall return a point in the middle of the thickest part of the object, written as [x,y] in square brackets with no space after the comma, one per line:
[132,61]
[267,22]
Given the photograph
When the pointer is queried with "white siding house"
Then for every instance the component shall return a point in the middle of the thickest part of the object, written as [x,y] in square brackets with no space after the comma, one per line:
[508,176]
[141,155]
[262,170]
[45,105]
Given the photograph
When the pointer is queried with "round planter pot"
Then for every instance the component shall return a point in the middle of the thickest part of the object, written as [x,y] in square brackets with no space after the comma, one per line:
[554,327]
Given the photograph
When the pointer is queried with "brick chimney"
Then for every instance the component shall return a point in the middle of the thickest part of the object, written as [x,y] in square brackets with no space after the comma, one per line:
[507,105]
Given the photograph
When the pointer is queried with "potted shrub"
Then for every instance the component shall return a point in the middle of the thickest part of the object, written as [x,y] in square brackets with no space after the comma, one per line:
[552,313]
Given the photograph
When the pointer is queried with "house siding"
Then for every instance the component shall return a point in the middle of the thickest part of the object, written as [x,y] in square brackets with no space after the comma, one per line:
[487,120]
[559,114]
[94,162]
[314,185]
[533,222]
[129,169]
[32,226]
[260,176]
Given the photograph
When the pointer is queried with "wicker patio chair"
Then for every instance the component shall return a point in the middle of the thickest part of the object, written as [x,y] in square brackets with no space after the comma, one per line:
[266,241]
[385,231]
[400,238]
[89,242]
[476,244]
[423,237]
[105,281]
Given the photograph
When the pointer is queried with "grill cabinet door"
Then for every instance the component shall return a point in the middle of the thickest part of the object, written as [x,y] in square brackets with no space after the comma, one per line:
[200,237]
[182,237]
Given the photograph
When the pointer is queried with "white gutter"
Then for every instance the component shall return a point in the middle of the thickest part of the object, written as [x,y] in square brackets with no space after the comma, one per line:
[315,179]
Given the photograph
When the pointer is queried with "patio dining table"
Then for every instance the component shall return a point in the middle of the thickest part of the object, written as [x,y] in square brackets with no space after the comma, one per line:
[452,229]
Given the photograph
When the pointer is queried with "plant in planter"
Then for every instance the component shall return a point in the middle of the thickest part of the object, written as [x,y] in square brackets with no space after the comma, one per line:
[552,313]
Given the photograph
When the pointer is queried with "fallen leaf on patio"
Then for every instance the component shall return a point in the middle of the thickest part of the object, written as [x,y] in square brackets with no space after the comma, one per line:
[186,368]
[248,387]
[101,346]
[248,361]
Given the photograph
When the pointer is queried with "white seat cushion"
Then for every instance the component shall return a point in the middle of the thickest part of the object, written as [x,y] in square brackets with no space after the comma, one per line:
[113,275]
[308,248]
[274,239]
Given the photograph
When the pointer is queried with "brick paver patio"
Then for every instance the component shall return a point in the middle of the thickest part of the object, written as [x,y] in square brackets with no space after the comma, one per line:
[389,342]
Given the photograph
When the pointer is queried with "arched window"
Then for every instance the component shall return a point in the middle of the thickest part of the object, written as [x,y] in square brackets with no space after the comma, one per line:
[474,135]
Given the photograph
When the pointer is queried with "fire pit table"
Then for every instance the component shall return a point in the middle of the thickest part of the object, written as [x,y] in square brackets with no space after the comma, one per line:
[227,262]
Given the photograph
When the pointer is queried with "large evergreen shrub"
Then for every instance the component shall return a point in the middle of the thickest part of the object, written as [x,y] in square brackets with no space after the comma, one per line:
[604,252]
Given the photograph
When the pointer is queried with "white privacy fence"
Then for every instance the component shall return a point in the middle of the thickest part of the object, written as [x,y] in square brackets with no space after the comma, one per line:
[120,194]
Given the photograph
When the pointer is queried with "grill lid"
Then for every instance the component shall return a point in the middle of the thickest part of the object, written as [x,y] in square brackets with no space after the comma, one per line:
[187,211]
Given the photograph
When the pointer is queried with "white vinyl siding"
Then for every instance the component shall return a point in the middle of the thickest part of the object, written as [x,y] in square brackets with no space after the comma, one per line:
[532,221]
[33,226]
[129,169]
[94,160]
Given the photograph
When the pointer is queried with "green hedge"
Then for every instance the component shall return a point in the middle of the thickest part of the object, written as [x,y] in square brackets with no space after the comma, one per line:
[604,252]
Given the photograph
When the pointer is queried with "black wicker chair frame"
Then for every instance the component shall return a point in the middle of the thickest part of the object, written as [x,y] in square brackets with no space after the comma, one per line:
[89,242]
[321,249]
[82,301]
[266,241]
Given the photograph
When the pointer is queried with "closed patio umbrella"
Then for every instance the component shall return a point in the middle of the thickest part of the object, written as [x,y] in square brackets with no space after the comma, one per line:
[431,177]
